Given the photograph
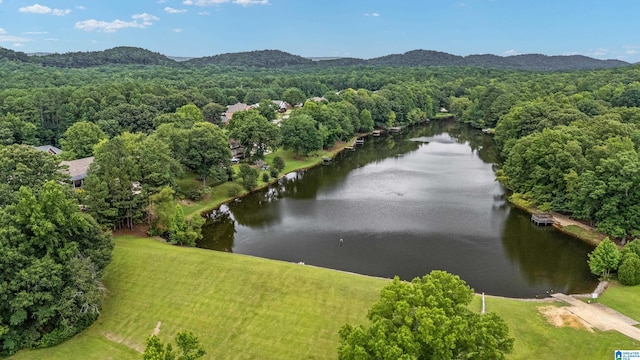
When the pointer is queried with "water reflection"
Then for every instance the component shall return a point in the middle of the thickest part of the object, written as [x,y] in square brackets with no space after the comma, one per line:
[405,204]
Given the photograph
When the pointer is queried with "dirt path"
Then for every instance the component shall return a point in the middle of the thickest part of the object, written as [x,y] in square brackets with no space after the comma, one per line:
[564,220]
[601,317]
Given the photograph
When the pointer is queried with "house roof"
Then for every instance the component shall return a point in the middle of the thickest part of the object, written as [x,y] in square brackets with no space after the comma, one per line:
[49,149]
[78,168]
[237,107]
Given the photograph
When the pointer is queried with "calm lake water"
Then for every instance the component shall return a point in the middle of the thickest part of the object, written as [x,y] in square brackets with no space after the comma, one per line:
[406,204]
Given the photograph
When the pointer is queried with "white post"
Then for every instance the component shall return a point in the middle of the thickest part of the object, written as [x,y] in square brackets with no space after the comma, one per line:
[482,303]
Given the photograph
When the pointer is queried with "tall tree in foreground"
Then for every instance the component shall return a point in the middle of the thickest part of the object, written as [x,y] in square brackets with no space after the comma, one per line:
[427,318]
[51,259]
[189,348]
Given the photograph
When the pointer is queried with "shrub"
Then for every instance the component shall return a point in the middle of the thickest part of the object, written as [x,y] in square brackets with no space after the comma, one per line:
[273,172]
[235,190]
[629,270]
[278,163]
[265,177]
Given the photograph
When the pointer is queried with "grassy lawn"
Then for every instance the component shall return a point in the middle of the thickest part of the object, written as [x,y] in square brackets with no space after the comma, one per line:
[241,307]
[591,237]
[623,299]
[249,308]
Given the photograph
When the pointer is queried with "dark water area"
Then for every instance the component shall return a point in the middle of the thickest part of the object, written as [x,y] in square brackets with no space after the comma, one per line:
[405,204]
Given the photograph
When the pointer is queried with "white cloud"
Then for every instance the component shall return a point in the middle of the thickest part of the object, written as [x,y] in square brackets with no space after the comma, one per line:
[375,14]
[204,13]
[140,21]
[600,51]
[58,12]
[35,33]
[217,2]
[36,9]
[41,9]
[177,30]
[510,52]
[2,31]
[12,39]
[251,2]
[18,45]
[171,10]
[146,18]
[80,7]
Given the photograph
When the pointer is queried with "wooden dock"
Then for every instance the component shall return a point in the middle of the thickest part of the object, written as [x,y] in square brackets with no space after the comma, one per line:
[377,132]
[326,160]
[359,141]
[542,219]
[395,129]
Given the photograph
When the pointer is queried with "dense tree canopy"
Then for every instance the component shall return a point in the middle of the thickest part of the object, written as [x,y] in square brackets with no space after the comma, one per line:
[80,138]
[253,131]
[427,318]
[299,133]
[51,258]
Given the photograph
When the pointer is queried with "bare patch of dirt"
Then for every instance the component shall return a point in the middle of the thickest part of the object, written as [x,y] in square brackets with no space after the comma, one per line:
[156,331]
[139,230]
[118,339]
[185,202]
[561,317]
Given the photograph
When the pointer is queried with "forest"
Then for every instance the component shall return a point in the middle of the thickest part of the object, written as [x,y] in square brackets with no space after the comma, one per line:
[569,142]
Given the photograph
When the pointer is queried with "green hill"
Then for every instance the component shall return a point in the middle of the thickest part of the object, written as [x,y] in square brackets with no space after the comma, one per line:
[250,308]
[259,59]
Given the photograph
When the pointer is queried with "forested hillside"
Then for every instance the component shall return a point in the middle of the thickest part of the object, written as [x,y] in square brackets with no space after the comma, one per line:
[262,59]
[276,59]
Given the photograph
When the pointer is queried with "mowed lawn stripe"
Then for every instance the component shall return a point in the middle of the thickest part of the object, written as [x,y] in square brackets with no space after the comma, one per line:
[243,307]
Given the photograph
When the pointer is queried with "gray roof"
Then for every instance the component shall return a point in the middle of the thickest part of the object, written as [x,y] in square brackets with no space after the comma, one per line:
[78,168]
[49,149]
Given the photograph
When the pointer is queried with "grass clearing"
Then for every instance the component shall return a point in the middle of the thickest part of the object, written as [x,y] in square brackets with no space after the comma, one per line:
[536,338]
[243,307]
[591,237]
[623,299]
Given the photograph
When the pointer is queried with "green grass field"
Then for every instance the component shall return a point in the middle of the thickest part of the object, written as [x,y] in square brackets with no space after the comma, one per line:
[250,308]
[623,298]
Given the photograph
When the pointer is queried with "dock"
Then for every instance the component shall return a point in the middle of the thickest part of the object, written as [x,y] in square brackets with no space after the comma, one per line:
[326,160]
[377,132]
[350,148]
[395,129]
[359,141]
[542,219]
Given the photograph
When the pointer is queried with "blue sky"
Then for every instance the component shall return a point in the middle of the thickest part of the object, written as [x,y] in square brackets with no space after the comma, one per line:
[357,28]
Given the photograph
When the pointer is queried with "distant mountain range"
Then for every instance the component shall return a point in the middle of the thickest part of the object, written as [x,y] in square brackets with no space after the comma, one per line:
[281,59]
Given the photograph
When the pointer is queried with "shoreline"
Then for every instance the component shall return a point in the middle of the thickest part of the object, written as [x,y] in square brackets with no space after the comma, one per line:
[338,148]
[562,223]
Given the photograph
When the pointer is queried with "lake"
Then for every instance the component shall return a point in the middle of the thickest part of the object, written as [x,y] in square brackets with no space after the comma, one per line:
[405,204]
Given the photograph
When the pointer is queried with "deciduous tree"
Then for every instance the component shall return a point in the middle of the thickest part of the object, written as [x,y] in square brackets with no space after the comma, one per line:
[299,133]
[604,259]
[427,318]
[79,140]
